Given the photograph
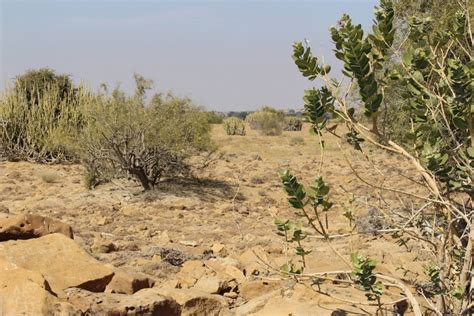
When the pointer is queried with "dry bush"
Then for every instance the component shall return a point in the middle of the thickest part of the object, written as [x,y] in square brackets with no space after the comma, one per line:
[234,126]
[122,136]
[267,120]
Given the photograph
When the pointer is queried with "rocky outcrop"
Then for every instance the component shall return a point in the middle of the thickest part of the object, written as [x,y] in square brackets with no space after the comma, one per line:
[120,305]
[24,292]
[60,260]
[29,226]
[128,283]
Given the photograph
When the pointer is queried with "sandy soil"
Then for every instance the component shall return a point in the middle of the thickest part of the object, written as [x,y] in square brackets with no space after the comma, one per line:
[235,203]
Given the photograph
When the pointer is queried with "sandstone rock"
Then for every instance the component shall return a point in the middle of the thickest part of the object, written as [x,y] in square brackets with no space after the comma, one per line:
[24,292]
[194,302]
[103,246]
[141,303]
[227,272]
[127,283]
[31,226]
[253,289]
[251,260]
[254,305]
[220,250]
[60,260]
[211,285]
[192,268]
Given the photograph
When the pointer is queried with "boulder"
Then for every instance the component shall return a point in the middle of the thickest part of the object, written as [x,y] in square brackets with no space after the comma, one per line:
[125,283]
[253,261]
[31,226]
[141,303]
[24,292]
[253,289]
[194,302]
[212,285]
[255,304]
[219,250]
[60,260]
[101,245]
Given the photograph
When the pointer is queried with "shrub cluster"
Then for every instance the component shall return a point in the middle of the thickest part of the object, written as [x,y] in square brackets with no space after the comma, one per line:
[234,126]
[113,135]
[40,116]
[267,120]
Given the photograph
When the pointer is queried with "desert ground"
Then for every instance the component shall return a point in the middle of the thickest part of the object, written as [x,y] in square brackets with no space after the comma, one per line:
[184,233]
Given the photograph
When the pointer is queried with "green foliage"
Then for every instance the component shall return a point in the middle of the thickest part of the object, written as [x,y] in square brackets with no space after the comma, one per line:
[425,67]
[267,120]
[234,126]
[40,124]
[35,83]
[363,272]
[124,137]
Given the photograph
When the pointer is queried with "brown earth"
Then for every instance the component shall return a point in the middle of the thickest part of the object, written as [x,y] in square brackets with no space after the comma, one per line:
[218,235]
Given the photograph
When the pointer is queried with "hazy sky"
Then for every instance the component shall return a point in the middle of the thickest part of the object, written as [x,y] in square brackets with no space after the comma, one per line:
[225,55]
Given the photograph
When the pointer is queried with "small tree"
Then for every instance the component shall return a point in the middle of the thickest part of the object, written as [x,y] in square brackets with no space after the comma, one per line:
[123,136]
[436,75]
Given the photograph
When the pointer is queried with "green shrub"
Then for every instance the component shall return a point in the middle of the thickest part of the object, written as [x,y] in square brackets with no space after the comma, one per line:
[234,126]
[293,123]
[434,75]
[268,121]
[33,84]
[40,126]
[124,137]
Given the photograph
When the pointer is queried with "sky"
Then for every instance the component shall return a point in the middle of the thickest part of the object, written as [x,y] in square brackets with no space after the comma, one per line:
[225,55]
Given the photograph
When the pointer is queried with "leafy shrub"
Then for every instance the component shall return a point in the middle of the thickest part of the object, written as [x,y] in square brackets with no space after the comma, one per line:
[293,123]
[40,124]
[124,137]
[267,120]
[33,84]
[234,126]
[435,76]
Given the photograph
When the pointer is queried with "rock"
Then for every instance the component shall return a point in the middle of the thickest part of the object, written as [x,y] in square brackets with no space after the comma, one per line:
[253,289]
[211,285]
[24,292]
[141,303]
[127,283]
[31,226]
[60,260]
[254,305]
[103,246]
[231,295]
[220,250]
[227,272]
[189,243]
[194,302]
[193,268]
[252,260]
